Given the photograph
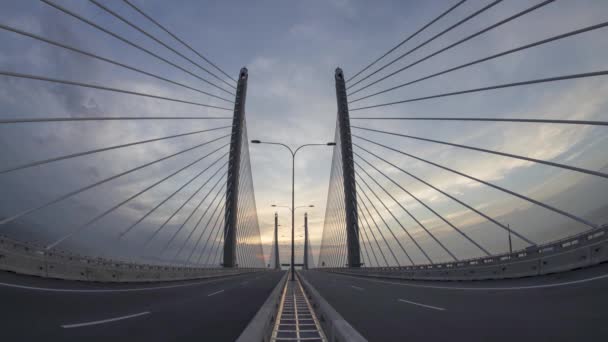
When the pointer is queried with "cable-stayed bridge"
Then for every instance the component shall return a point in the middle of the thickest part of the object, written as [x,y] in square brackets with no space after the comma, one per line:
[145,226]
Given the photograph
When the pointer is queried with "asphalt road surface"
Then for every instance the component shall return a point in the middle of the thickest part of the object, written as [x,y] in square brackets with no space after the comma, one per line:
[571,306]
[38,309]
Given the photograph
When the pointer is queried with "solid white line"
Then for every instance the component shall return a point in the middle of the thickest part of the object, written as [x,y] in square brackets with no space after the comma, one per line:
[77,325]
[48,289]
[214,293]
[357,288]
[528,287]
[423,305]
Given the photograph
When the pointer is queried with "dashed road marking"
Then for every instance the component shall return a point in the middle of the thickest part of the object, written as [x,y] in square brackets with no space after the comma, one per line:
[423,305]
[214,293]
[103,321]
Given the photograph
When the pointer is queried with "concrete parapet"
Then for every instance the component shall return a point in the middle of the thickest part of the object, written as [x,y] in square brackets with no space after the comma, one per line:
[31,259]
[582,250]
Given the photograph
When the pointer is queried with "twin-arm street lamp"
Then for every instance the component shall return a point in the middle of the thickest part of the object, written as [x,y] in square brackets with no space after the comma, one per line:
[293,172]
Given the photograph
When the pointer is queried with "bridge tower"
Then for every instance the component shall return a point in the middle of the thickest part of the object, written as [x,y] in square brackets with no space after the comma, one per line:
[234,165]
[348,172]
[277,262]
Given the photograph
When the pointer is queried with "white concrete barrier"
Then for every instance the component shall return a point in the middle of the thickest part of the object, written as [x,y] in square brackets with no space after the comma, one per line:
[582,250]
[31,259]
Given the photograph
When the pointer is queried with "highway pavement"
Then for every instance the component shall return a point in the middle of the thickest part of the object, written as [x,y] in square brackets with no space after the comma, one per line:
[38,309]
[571,306]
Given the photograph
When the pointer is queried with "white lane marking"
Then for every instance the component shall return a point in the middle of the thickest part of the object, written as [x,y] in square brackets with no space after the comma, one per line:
[357,288]
[77,325]
[48,289]
[528,287]
[214,293]
[423,305]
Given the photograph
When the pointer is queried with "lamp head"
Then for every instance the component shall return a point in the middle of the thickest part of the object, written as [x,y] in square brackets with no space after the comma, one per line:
[331,144]
[256,142]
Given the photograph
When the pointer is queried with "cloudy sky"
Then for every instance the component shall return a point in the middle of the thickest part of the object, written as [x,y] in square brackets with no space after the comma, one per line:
[291,49]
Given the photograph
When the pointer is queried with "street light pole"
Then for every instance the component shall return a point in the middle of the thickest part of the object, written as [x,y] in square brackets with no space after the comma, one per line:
[293,181]
[306,246]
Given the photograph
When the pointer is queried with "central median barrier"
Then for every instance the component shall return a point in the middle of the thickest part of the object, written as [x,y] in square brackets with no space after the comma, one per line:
[31,259]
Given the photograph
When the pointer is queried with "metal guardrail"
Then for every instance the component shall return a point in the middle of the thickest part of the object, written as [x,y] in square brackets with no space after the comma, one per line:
[578,251]
[32,259]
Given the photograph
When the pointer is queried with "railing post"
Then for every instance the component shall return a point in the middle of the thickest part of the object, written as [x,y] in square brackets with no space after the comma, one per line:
[234,165]
[277,262]
[305,241]
[348,173]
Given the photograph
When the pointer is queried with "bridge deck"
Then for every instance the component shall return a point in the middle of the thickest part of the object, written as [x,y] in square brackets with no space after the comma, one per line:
[559,307]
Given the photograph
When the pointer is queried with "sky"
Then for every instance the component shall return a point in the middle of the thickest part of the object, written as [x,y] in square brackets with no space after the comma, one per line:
[291,49]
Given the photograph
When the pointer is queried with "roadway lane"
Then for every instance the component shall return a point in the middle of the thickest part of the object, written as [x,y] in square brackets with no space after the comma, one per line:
[200,310]
[564,307]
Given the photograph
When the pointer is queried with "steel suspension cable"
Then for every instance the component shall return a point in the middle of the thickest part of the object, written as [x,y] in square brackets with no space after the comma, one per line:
[391,213]
[322,251]
[147,34]
[407,211]
[462,21]
[365,255]
[369,227]
[370,245]
[168,243]
[126,231]
[110,118]
[177,38]
[105,213]
[128,42]
[474,62]
[218,252]
[211,216]
[499,86]
[550,121]
[90,186]
[377,227]
[107,60]
[384,221]
[100,87]
[168,219]
[242,224]
[339,234]
[528,199]
[104,149]
[502,154]
[220,202]
[478,33]
[195,228]
[407,39]
[436,189]
[206,226]
[213,227]
[328,226]
[213,251]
